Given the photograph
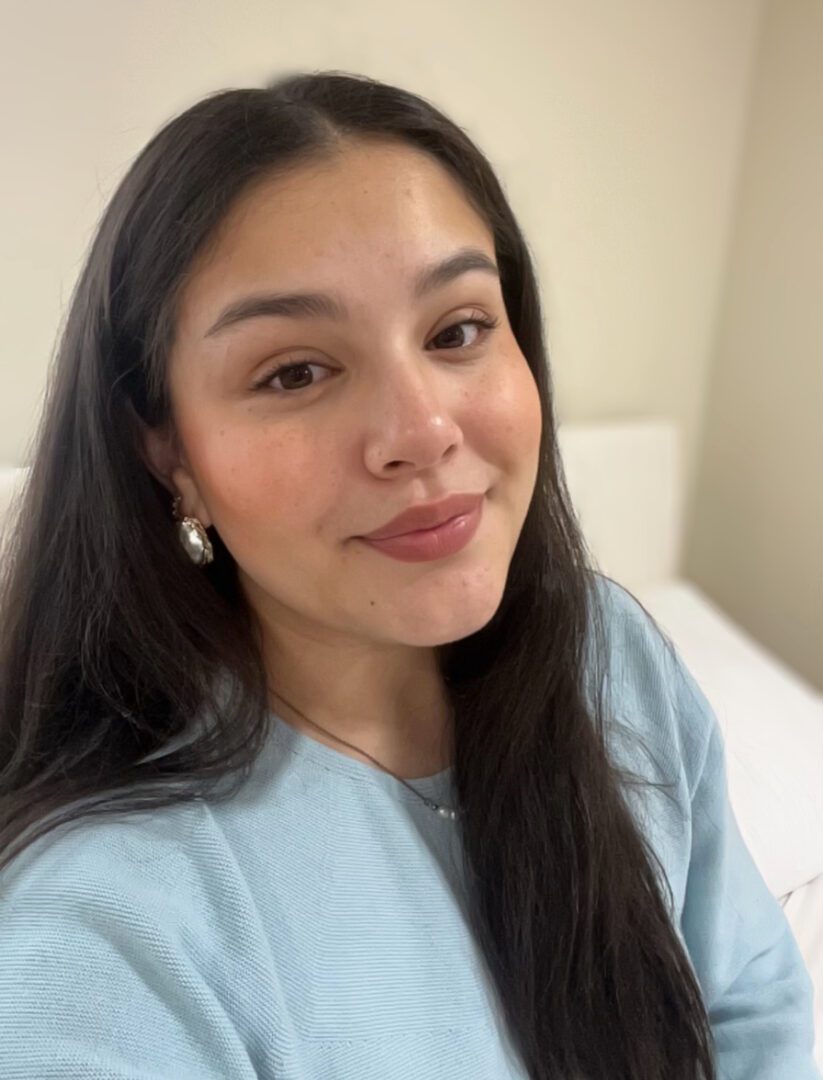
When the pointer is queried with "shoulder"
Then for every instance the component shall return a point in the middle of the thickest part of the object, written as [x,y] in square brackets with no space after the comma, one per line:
[114,948]
[139,852]
[162,880]
[650,691]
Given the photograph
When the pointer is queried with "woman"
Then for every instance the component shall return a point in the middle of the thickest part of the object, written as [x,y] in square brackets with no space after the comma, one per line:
[283,799]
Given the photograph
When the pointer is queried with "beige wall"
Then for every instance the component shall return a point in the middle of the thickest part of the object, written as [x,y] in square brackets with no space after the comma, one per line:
[756,542]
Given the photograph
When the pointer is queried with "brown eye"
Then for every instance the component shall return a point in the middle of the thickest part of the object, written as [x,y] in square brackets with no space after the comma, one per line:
[289,374]
[484,327]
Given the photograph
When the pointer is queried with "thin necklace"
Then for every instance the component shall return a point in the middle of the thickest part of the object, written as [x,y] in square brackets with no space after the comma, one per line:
[443,811]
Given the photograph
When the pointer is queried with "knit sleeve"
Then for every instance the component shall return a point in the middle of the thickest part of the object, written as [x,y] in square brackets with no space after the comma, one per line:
[755,983]
[96,984]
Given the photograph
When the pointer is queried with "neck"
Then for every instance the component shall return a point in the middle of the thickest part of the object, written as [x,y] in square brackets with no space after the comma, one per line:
[416,747]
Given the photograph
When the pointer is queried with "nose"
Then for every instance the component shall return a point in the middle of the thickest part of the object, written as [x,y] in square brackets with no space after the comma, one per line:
[413,421]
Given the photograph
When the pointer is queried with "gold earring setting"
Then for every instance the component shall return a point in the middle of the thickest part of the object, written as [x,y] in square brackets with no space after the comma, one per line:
[192,536]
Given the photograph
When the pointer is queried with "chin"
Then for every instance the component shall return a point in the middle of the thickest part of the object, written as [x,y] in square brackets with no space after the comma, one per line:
[461,615]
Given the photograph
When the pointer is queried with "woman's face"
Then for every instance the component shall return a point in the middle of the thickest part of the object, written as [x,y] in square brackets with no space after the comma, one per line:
[397,400]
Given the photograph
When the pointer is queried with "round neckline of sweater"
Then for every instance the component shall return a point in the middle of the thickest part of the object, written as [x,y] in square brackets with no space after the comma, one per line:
[435,786]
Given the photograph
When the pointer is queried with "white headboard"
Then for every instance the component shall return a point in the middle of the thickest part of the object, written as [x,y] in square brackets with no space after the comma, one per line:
[625,480]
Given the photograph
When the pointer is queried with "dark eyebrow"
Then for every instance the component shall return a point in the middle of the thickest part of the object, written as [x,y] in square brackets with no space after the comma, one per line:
[330,306]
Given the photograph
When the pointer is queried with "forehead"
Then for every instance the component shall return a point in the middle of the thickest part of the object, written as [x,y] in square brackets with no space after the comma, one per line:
[372,212]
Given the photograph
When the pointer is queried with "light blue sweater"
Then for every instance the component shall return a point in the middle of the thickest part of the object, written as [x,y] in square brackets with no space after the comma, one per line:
[313,927]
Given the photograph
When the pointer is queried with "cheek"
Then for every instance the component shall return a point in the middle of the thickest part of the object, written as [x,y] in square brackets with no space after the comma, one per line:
[507,419]
[262,486]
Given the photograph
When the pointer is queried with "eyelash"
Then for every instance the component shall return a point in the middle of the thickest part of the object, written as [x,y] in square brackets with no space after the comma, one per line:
[487,325]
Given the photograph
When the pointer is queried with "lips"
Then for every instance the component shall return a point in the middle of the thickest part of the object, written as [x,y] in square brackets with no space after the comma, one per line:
[427,516]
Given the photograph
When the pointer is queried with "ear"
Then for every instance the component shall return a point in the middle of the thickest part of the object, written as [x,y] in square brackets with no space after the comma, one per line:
[165,460]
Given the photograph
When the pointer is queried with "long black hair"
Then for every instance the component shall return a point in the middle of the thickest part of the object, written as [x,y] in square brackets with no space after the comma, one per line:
[110,636]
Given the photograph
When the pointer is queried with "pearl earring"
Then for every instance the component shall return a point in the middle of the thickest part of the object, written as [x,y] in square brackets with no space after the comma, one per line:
[192,536]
